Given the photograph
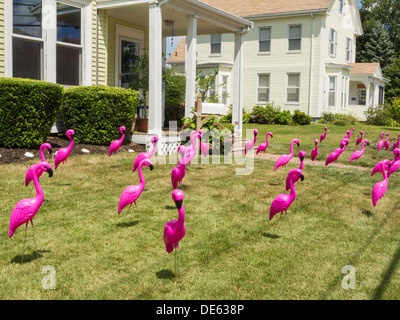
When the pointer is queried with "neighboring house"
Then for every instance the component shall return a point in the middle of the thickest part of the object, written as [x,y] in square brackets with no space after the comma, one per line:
[177,57]
[93,42]
[298,55]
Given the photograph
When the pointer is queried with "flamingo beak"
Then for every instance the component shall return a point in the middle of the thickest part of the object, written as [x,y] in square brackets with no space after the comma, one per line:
[178,204]
[151,167]
[390,164]
[298,144]
[50,172]
[302,177]
[50,151]
[272,135]
[301,158]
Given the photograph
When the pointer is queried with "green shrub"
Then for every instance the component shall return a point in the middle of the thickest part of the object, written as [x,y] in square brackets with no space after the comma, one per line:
[284,117]
[175,88]
[174,113]
[27,111]
[97,112]
[264,114]
[339,119]
[246,117]
[379,115]
[300,118]
[394,109]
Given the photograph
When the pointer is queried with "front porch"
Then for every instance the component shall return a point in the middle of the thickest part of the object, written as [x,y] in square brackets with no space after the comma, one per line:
[148,23]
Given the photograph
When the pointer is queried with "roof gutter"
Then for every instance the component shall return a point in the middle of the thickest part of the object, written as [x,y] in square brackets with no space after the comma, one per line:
[285,14]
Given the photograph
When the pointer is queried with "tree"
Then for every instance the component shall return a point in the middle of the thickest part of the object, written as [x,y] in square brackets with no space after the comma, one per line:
[175,87]
[376,46]
[206,85]
[392,72]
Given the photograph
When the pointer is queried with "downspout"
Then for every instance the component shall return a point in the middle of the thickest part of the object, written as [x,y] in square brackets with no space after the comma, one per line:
[97,48]
[311,66]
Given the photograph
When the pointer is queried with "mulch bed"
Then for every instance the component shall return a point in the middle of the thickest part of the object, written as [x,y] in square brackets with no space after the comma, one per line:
[18,154]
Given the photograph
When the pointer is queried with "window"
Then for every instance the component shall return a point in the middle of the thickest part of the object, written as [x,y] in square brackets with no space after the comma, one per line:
[332,92]
[225,89]
[212,92]
[33,30]
[381,94]
[345,85]
[361,97]
[27,42]
[263,88]
[332,42]
[341,6]
[264,40]
[293,88]
[294,38]
[349,50]
[215,44]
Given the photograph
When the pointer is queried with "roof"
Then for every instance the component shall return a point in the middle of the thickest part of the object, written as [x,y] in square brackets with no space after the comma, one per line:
[363,68]
[261,7]
[178,56]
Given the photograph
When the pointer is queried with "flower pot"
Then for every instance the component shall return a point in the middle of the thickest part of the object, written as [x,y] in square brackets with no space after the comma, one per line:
[142,125]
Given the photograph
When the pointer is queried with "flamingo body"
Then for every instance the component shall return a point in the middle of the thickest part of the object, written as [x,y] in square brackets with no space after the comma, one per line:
[380,188]
[133,192]
[190,151]
[250,144]
[323,136]
[145,155]
[63,154]
[26,209]
[175,230]
[358,141]
[284,159]
[397,143]
[381,142]
[358,153]
[204,149]
[262,146]
[116,144]
[30,172]
[283,201]
[387,143]
[179,172]
[337,152]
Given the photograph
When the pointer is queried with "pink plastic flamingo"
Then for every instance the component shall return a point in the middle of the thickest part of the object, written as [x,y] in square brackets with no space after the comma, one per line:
[203,145]
[29,173]
[262,146]
[347,136]
[250,144]
[323,136]
[314,152]
[284,159]
[378,167]
[179,172]
[26,209]
[387,143]
[351,133]
[116,144]
[175,230]
[395,164]
[397,143]
[380,143]
[145,155]
[283,201]
[360,138]
[379,189]
[190,151]
[358,153]
[133,192]
[63,153]
[335,154]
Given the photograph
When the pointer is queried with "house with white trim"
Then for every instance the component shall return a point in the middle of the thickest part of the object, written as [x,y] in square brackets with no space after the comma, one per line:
[92,42]
[299,55]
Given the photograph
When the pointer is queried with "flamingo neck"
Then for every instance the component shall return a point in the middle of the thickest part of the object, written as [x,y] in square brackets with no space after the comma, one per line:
[141,177]
[363,146]
[122,138]
[42,158]
[301,164]
[255,138]
[192,139]
[71,145]
[292,189]
[385,177]
[39,191]
[152,150]
[291,148]
[181,215]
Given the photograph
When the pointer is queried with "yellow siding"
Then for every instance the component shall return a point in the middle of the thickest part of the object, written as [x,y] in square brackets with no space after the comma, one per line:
[111,23]
[99,47]
[2,38]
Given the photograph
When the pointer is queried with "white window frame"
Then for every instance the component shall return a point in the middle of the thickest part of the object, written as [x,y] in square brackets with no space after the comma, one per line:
[49,38]
[287,87]
[220,46]
[341,6]
[349,50]
[288,37]
[334,91]
[225,89]
[332,42]
[344,92]
[268,87]
[269,40]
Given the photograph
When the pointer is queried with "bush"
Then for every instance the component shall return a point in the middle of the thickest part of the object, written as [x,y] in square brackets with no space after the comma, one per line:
[269,114]
[27,111]
[175,88]
[97,112]
[379,115]
[300,118]
[394,109]
[174,113]
[284,117]
[338,119]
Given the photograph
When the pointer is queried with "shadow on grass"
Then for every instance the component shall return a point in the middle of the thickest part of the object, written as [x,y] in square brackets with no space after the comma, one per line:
[367,213]
[270,235]
[170,207]
[127,224]
[26,258]
[165,274]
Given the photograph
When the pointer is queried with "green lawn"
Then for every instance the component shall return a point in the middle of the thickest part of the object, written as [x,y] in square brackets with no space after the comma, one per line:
[230,251]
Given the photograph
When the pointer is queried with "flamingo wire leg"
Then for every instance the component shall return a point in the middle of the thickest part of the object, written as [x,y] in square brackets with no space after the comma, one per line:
[179,258]
[290,227]
[34,239]
[23,250]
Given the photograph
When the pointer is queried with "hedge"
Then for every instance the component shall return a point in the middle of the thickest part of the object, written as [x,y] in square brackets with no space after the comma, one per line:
[97,112]
[27,111]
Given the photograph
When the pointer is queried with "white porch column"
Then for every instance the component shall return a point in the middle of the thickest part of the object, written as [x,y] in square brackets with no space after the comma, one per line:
[190,65]
[155,67]
[237,97]
[376,93]
[367,95]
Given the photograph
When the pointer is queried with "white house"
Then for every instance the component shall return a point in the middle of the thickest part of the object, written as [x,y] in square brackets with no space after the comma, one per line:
[298,55]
